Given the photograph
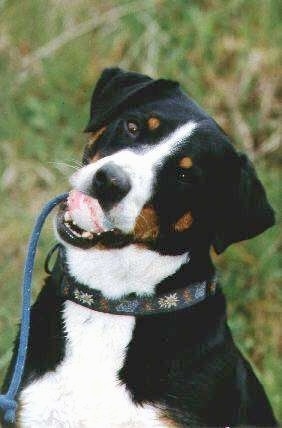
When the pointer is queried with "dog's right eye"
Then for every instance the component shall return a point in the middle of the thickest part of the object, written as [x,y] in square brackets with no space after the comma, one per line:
[132,128]
[187,176]
[184,176]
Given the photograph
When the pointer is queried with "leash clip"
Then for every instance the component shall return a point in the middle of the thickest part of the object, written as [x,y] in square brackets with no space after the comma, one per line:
[52,251]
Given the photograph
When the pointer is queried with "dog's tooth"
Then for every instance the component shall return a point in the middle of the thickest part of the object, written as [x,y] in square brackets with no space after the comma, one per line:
[67,216]
[74,222]
[87,234]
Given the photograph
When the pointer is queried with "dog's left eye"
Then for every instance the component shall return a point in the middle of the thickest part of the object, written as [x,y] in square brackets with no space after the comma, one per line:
[184,176]
[132,128]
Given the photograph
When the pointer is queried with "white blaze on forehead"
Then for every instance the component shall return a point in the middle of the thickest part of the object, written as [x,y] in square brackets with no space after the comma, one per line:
[170,143]
[140,164]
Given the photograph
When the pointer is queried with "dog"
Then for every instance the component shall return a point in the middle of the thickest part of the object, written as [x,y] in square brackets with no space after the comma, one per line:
[160,185]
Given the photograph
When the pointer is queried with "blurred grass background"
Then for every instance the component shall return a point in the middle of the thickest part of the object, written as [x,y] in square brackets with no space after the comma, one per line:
[225,54]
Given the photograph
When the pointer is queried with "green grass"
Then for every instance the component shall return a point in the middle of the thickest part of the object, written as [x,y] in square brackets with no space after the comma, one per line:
[225,54]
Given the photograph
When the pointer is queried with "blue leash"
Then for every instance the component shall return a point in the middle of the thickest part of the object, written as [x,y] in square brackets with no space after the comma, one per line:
[7,401]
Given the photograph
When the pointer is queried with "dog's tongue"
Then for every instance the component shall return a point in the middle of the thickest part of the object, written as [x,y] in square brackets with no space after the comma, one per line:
[85,211]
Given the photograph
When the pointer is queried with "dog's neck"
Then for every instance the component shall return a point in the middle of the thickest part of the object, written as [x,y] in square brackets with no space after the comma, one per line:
[118,272]
[133,269]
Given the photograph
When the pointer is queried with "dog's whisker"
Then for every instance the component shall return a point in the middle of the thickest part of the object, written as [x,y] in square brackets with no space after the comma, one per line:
[76,168]
[76,162]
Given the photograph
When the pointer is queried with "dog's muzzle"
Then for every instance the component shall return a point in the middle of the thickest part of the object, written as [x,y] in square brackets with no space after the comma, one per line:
[106,205]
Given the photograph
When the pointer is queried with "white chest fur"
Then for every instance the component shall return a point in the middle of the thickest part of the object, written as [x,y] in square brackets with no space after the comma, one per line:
[122,271]
[84,391]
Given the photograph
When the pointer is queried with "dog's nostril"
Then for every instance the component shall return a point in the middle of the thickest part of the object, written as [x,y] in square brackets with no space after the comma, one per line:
[101,178]
[110,184]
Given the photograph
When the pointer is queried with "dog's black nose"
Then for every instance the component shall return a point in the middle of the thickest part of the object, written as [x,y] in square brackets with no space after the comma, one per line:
[110,185]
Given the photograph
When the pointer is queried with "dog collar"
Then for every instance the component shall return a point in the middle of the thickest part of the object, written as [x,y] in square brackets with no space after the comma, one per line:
[130,304]
[137,305]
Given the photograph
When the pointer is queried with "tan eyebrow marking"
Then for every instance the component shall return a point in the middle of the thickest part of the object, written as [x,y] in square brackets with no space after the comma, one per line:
[186,162]
[95,158]
[153,123]
[184,222]
[93,137]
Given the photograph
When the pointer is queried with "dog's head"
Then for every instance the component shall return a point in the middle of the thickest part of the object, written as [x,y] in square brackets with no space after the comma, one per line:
[159,172]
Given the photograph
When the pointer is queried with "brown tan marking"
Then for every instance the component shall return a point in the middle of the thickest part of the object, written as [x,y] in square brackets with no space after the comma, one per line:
[167,422]
[93,136]
[148,307]
[212,287]
[146,225]
[95,158]
[186,162]
[184,222]
[187,296]
[104,305]
[153,123]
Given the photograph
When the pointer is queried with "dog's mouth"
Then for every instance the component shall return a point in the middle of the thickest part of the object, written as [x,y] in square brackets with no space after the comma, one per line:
[82,223]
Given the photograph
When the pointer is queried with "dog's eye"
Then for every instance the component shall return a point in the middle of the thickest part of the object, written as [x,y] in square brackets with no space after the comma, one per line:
[132,128]
[184,176]
[192,176]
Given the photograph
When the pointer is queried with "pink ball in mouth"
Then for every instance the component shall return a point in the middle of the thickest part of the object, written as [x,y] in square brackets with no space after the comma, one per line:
[85,211]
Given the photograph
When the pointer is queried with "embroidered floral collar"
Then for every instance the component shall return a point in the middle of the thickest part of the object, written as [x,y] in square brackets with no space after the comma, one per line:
[138,305]
[130,304]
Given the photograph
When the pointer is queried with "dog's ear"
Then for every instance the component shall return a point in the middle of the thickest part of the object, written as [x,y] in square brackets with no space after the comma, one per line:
[245,211]
[117,90]
[108,74]
[106,81]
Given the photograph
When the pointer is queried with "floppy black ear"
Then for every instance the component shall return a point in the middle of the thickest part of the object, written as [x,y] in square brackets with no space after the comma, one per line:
[117,90]
[246,211]
[105,79]
[98,101]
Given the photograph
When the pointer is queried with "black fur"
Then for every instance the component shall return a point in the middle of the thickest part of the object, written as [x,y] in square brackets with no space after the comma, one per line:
[186,362]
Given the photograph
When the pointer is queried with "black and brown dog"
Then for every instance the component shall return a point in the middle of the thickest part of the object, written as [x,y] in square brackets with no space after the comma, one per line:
[160,184]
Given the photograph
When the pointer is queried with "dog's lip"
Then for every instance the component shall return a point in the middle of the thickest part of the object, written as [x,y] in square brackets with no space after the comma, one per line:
[82,222]
[73,234]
